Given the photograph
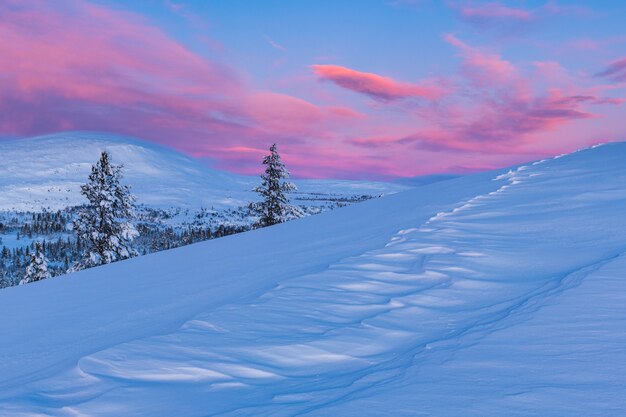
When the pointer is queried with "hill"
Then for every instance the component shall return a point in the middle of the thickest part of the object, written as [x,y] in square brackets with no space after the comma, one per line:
[500,293]
[47,171]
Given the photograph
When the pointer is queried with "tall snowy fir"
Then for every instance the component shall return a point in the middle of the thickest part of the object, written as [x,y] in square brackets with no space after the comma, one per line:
[274,207]
[37,268]
[104,225]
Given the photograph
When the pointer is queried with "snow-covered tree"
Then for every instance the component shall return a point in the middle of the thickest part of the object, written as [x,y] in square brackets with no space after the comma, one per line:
[4,279]
[103,225]
[274,207]
[37,268]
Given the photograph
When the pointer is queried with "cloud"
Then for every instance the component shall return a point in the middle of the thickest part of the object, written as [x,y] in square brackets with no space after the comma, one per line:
[374,85]
[506,20]
[70,64]
[482,67]
[499,111]
[615,71]
[490,12]
[78,53]
[504,125]
[495,17]
[73,65]
[274,44]
[555,8]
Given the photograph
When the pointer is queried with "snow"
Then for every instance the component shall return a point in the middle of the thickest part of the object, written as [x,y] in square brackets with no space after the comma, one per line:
[564,356]
[500,293]
[47,171]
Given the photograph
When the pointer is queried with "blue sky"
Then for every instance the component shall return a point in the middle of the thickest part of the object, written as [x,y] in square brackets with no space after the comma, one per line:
[367,89]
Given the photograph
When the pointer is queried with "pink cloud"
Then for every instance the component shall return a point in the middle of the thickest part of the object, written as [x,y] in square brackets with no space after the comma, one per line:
[346,112]
[493,11]
[75,65]
[615,71]
[497,14]
[553,7]
[506,126]
[482,67]
[374,85]
[501,111]
[78,52]
[551,70]
[329,162]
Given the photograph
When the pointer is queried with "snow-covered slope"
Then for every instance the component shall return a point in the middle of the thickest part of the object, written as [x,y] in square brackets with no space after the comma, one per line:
[47,171]
[501,293]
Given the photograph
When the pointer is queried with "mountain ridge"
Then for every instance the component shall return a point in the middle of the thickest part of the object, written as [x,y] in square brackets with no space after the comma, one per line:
[46,172]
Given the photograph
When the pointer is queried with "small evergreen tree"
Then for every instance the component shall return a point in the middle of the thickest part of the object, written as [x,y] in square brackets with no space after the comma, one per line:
[274,207]
[37,268]
[4,279]
[103,227]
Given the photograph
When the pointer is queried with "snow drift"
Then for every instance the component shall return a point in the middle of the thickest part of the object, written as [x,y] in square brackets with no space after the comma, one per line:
[500,293]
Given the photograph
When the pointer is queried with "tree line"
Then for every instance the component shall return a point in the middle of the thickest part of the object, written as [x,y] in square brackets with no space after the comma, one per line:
[104,229]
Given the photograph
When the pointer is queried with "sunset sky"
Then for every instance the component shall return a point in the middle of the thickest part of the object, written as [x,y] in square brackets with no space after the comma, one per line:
[371,89]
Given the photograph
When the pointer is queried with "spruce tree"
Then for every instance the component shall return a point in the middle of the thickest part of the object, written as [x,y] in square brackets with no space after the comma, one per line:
[4,279]
[274,206]
[103,226]
[37,268]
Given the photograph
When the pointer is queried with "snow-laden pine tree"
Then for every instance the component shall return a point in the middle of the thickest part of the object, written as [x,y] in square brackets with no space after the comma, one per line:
[274,206]
[4,279]
[37,268]
[103,226]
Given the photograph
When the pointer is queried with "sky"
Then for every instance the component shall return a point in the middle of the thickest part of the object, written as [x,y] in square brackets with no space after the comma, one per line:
[368,89]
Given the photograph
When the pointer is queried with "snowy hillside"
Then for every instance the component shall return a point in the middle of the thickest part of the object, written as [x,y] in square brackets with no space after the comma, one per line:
[496,294]
[47,171]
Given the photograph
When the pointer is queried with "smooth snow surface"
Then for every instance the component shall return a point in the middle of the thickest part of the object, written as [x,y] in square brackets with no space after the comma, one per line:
[498,294]
[47,171]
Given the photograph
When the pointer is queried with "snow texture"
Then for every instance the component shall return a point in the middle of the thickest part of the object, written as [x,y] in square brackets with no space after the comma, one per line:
[500,293]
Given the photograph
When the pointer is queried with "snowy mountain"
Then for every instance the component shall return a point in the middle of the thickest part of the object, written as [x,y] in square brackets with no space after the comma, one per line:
[424,179]
[47,171]
[495,294]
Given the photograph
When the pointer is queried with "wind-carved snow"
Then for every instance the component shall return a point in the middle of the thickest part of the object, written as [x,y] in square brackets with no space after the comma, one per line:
[357,327]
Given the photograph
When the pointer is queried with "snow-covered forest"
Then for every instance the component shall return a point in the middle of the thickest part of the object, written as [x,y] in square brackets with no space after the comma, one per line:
[159,225]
